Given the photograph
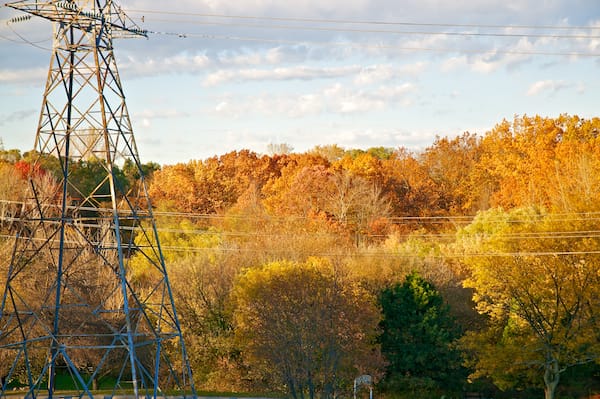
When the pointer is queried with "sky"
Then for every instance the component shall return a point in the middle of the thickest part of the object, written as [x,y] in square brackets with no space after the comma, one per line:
[215,76]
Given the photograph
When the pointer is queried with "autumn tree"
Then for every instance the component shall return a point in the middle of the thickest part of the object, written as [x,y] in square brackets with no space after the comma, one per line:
[572,181]
[202,281]
[43,162]
[87,285]
[279,148]
[9,156]
[535,161]
[306,327]
[448,163]
[212,185]
[358,205]
[331,152]
[278,190]
[174,187]
[12,190]
[201,273]
[535,277]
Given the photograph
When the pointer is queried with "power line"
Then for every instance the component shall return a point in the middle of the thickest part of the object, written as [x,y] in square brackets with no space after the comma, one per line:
[379,46]
[378,253]
[26,41]
[341,44]
[374,46]
[93,222]
[395,32]
[557,217]
[363,22]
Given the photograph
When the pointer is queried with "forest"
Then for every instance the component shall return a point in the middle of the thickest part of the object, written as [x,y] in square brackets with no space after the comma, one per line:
[471,266]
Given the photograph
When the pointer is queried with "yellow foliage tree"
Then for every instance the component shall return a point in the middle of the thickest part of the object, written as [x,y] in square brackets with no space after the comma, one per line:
[306,327]
[535,276]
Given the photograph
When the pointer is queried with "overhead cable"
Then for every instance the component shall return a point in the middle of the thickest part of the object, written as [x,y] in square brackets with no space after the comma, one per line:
[362,22]
[395,32]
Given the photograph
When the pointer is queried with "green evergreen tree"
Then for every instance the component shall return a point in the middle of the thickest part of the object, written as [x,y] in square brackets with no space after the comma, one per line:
[418,337]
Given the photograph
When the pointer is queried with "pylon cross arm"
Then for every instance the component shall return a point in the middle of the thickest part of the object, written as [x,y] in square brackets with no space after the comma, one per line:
[83,15]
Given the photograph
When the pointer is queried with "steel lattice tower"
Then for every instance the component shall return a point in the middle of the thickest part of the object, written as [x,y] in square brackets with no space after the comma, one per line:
[71,306]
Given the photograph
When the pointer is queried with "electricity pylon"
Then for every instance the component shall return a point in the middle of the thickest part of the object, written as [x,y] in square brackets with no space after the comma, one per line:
[73,306]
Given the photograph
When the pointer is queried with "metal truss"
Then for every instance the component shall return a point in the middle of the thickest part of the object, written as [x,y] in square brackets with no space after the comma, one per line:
[72,305]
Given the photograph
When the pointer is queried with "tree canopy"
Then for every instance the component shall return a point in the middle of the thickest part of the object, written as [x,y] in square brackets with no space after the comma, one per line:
[482,247]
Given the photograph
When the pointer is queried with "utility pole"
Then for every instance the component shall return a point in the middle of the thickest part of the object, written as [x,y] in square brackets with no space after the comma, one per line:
[70,304]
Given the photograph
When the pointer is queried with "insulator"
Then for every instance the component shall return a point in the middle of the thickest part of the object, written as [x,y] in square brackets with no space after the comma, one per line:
[67,5]
[20,18]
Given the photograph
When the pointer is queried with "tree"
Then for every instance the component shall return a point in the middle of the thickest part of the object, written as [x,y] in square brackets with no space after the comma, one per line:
[279,148]
[410,189]
[348,200]
[212,185]
[87,286]
[331,152]
[358,205]
[276,191]
[88,179]
[449,163]
[535,277]
[12,192]
[418,334]
[306,327]
[132,172]
[535,161]
[10,156]
[202,283]
[201,275]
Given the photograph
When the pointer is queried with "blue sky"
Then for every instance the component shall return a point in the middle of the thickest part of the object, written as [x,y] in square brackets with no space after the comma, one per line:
[221,75]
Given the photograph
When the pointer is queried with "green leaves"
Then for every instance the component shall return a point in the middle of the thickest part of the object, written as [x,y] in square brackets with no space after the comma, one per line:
[418,332]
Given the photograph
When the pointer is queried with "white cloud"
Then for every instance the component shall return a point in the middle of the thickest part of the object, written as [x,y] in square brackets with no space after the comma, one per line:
[395,93]
[336,99]
[486,63]
[363,76]
[343,100]
[366,137]
[454,63]
[551,86]
[413,69]
[31,75]
[179,63]
[374,73]
[222,106]
[160,114]
[286,73]
[275,55]
[17,116]
[271,56]
[243,59]
[491,60]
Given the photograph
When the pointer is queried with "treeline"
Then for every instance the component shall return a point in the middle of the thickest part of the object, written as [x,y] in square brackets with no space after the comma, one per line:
[469,266]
